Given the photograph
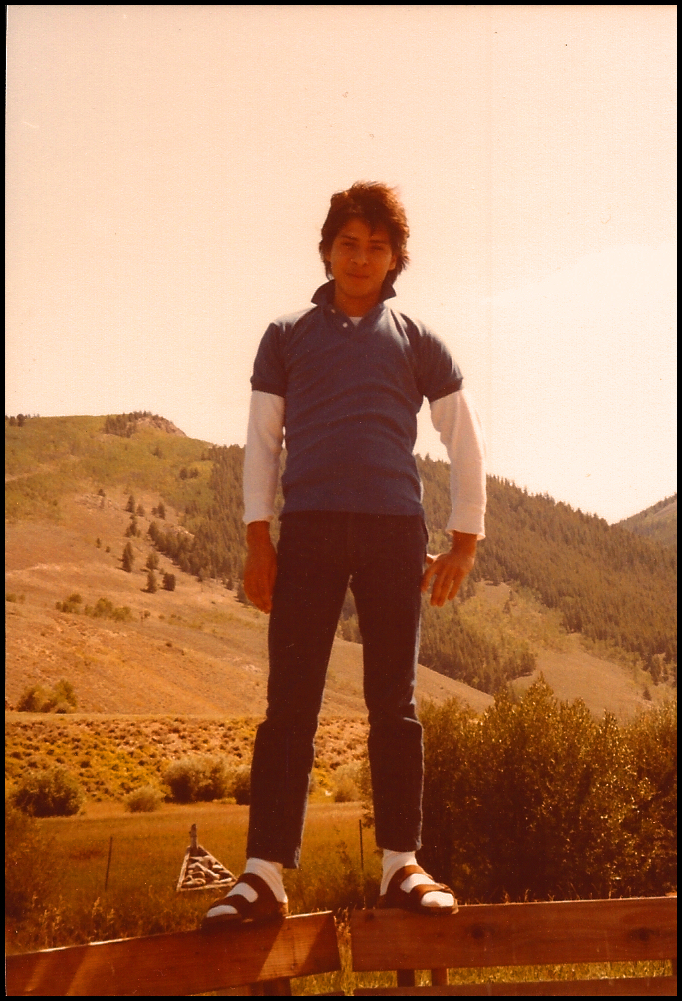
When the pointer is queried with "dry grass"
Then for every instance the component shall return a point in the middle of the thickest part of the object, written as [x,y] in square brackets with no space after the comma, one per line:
[147,851]
[112,755]
[195,650]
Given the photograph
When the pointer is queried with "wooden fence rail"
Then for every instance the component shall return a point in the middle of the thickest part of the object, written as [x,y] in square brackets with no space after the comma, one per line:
[261,960]
[533,934]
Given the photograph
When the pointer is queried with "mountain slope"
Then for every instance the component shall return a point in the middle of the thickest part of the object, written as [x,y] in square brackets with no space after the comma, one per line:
[658,522]
[75,496]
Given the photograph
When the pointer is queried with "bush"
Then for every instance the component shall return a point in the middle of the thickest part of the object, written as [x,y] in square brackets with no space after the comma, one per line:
[143,800]
[70,604]
[105,609]
[36,699]
[65,693]
[169,581]
[240,786]
[27,877]
[347,784]
[51,793]
[33,699]
[539,800]
[198,778]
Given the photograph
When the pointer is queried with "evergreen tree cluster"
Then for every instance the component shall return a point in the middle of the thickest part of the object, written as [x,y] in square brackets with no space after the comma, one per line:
[614,587]
[464,652]
[19,420]
[123,425]
[211,543]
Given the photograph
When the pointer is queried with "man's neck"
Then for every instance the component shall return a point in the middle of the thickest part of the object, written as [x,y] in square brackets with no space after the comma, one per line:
[352,306]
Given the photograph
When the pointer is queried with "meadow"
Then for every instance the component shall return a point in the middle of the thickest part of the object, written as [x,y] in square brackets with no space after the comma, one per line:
[139,896]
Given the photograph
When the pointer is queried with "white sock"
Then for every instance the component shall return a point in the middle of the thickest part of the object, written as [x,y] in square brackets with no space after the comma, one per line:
[269,872]
[396,860]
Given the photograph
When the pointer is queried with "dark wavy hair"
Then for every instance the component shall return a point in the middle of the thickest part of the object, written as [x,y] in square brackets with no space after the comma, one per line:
[377,205]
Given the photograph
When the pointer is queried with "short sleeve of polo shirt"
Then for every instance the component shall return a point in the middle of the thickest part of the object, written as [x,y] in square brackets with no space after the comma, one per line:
[437,373]
[269,372]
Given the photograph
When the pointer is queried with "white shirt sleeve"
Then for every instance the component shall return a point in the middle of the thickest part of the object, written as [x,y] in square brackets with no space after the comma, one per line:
[261,463]
[455,418]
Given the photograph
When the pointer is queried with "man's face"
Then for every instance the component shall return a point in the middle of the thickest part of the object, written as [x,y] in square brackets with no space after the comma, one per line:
[359,260]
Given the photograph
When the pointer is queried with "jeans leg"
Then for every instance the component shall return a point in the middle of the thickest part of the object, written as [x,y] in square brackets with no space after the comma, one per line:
[386,585]
[312,577]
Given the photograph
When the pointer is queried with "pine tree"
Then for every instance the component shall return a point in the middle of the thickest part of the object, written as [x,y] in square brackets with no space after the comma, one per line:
[128,558]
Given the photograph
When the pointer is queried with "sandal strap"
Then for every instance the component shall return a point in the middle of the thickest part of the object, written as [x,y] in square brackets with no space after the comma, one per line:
[393,891]
[400,875]
[266,900]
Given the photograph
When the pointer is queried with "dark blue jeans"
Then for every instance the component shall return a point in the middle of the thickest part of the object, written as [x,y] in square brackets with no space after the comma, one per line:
[319,553]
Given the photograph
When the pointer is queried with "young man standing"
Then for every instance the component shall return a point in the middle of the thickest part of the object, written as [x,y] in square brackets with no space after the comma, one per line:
[345,379]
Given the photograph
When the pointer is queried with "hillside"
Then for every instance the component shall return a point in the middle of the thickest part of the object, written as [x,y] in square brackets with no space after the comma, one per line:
[658,522]
[197,649]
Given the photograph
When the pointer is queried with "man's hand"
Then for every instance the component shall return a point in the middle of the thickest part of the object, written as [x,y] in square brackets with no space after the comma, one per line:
[260,568]
[447,571]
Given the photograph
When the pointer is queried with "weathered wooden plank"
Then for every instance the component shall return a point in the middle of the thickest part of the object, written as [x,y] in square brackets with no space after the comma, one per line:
[180,964]
[528,934]
[642,987]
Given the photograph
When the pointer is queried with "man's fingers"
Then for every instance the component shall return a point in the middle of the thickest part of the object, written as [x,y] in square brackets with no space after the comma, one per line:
[259,592]
[446,582]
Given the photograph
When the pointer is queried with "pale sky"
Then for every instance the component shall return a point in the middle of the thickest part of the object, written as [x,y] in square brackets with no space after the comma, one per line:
[169,169]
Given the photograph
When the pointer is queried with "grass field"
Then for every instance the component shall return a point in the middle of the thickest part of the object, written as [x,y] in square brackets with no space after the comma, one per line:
[146,857]
[147,851]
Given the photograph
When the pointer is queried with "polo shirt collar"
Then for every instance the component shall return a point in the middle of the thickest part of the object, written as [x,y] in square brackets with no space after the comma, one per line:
[325,293]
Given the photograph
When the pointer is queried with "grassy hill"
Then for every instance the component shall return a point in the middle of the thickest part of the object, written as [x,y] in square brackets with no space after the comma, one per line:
[197,650]
[658,522]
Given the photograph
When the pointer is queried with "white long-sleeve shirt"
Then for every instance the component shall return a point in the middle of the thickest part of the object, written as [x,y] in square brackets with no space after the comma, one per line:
[453,416]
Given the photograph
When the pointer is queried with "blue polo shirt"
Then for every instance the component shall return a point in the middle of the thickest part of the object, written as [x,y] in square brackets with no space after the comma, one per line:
[352,395]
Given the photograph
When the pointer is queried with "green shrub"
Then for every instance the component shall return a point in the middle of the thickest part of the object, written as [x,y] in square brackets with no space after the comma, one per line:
[347,784]
[71,604]
[198,778]
[51,793]
[64,692]
[60,699]
[143,800]
[27,877]
[240,785]
[33,699]
[539,799]
[105,609]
